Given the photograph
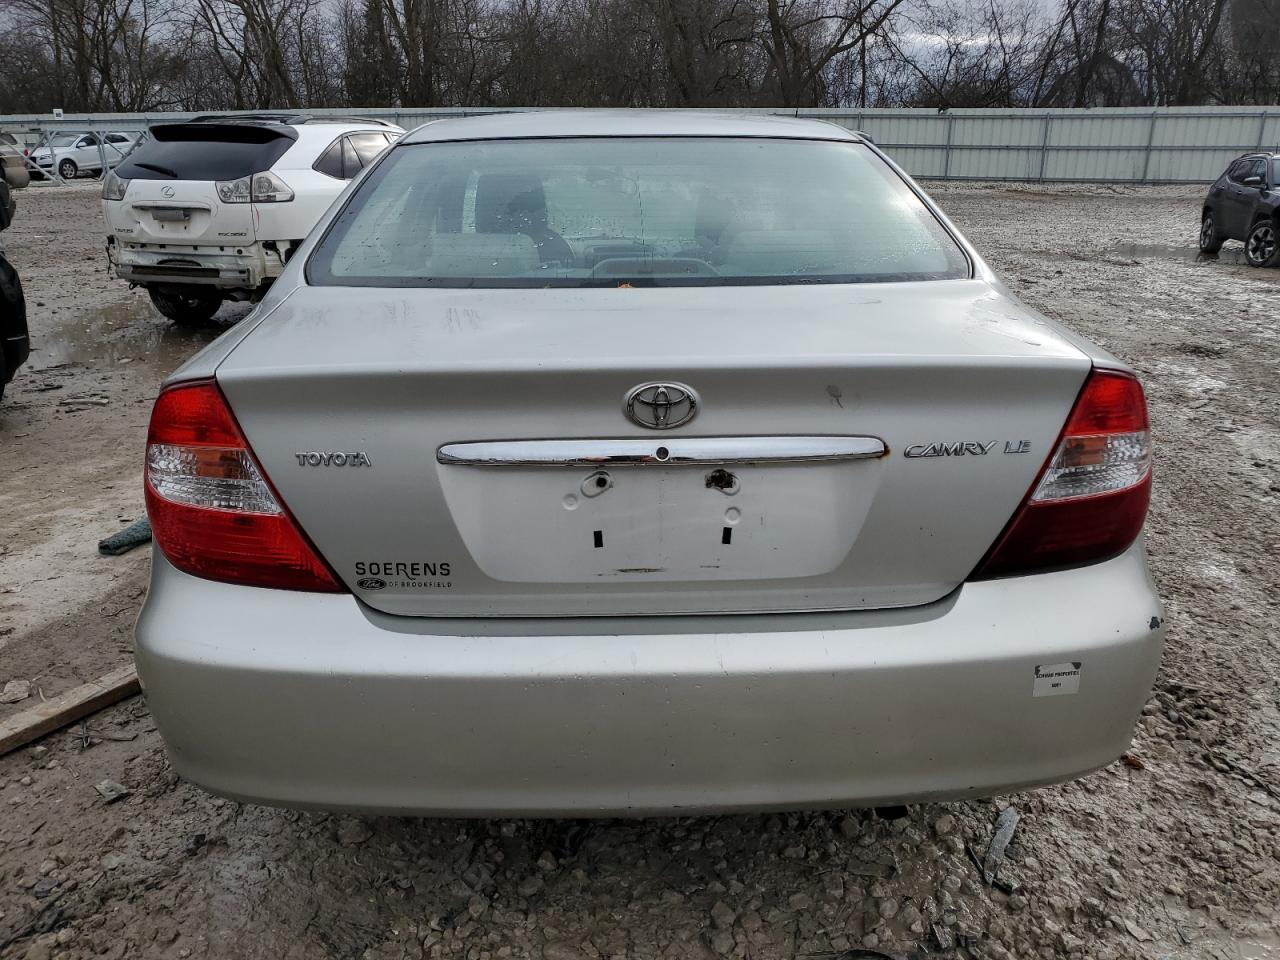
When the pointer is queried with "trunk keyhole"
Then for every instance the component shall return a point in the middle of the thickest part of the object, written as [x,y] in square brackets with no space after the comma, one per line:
[596,483]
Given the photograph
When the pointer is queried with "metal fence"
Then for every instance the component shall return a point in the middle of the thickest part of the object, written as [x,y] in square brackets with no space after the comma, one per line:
[1113,145]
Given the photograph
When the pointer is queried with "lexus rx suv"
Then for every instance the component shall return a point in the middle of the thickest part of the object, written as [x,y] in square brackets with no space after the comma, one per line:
[212,209]
[587,463]
[1244,204]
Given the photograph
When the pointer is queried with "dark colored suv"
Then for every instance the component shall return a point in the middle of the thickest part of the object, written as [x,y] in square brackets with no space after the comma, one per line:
[1244,204]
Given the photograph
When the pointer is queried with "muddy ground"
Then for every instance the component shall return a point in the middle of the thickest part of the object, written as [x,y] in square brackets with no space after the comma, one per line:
[1175,853]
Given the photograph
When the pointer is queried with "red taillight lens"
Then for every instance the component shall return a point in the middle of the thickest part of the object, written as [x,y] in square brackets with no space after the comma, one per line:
[1090,500]
[213,513]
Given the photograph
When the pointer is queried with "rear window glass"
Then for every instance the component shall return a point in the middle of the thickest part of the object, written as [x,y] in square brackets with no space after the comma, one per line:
[368,146]
[205,152]
[640,211]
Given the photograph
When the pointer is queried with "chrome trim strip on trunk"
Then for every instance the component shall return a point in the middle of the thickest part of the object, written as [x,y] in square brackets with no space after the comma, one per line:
[675,450]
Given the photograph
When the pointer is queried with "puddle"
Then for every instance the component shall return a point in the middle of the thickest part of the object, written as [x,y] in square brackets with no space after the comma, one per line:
[1255,949]
[1167,251]
[125,333]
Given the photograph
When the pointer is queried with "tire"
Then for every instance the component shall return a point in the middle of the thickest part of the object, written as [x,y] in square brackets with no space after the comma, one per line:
[187,306]
[1262,248]
[1211,238]
[67,169]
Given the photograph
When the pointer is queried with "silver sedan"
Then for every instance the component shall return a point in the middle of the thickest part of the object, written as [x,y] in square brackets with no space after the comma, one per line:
[619,463]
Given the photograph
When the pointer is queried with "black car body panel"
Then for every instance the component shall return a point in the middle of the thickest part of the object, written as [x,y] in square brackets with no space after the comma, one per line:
[15,344]
[14,341]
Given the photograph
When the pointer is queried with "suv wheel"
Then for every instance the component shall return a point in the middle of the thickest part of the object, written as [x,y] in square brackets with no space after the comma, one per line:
[67,169]
[1211,240]
[1262,249]
[189,306]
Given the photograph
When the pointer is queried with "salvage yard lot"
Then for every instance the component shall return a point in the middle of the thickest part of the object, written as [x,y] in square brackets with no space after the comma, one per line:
[1172,853]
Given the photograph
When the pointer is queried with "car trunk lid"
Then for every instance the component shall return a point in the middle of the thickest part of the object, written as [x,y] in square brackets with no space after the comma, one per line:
[184,213]
[443,448]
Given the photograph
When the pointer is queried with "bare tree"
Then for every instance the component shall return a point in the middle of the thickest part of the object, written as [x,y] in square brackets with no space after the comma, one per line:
[223,54]
[801,38]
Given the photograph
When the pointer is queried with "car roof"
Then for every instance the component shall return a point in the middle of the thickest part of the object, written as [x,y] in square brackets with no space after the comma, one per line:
[625,123]
[289,119]
[85,133]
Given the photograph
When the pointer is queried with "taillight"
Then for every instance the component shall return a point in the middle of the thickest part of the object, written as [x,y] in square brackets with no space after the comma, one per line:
[1090,500]
[263,187]
[213,513]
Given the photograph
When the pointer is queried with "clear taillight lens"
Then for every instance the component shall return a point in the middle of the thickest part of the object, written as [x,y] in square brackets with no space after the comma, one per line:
[258,188]
[113,187]
[218,478]
[1090,500]
[233,191]
[1106,444]
[268,188]
[213,512]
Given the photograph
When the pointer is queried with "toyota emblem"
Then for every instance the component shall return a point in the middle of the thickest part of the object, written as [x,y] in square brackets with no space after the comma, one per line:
[661,406]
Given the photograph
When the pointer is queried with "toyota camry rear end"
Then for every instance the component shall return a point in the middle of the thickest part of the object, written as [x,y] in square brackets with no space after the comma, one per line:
[623,463]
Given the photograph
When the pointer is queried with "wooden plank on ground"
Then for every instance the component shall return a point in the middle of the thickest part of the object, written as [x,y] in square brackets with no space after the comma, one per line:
[67,707]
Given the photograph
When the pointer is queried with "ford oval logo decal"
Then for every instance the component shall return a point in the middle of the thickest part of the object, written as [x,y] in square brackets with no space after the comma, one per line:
[661,405]
[371,583]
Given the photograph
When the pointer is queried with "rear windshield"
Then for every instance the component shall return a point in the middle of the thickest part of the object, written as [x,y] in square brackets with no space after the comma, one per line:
[202,151]
[633,211]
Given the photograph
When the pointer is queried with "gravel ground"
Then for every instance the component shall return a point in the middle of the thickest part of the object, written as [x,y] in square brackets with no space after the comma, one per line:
[1172,853]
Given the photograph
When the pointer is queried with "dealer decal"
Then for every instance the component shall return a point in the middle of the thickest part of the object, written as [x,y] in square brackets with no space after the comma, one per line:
[404,575]
[1056,679]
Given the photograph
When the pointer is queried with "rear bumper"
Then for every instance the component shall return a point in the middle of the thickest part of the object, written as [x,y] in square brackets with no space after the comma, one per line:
[314,700]
[246,266]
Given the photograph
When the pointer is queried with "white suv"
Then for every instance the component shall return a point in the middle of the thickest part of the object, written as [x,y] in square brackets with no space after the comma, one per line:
[211,209]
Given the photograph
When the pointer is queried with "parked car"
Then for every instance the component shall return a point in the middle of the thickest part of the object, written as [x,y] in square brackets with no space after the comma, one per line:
[15,344]
[598,463]
[73,154]
[212,209]
[13,164]
[1244,204]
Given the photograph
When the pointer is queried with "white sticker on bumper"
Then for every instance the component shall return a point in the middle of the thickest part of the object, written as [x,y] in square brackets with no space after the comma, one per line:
[1056,679]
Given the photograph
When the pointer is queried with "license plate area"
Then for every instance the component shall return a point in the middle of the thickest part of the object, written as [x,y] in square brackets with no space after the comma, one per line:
[656,523]
[171,214]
